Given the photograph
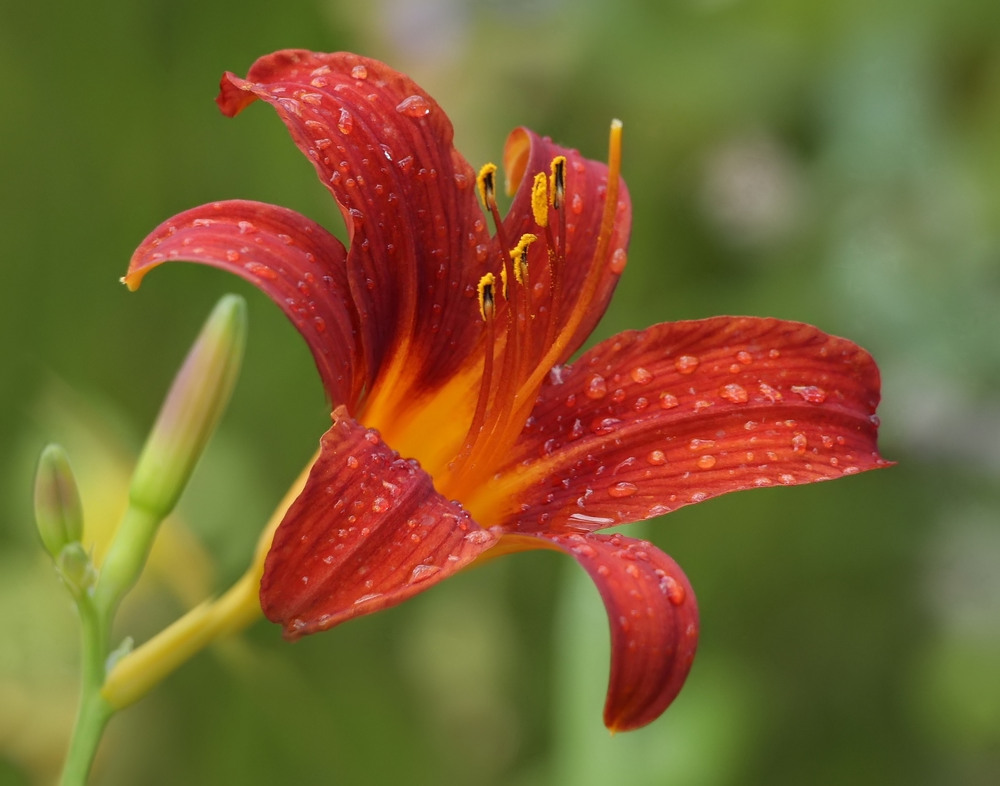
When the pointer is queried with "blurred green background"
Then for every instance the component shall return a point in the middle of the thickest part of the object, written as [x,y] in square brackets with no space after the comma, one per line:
[833,161]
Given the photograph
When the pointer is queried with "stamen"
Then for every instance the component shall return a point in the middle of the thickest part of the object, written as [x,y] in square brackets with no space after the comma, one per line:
[519,258]
[558,181]
[540,199]
[526,393]
[486,181]
[486,302]
[487,308]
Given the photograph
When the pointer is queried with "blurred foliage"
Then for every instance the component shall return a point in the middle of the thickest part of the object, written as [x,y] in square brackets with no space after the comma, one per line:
[835,161]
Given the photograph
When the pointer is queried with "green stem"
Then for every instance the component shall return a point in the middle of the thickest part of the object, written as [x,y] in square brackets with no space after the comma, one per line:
[93,712]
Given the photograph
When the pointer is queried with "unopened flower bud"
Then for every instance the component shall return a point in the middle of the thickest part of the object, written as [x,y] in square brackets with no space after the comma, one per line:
[192,409]
[58,511]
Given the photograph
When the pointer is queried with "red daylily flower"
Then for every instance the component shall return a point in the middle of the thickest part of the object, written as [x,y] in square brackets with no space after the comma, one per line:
[458,431]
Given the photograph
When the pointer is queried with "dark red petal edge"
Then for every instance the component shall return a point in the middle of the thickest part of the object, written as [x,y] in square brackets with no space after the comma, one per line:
[367,532]
[653,618]
[649,421]
[293,260]
[418,239]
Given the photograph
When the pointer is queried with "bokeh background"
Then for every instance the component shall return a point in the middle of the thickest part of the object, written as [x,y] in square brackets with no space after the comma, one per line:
[833,161]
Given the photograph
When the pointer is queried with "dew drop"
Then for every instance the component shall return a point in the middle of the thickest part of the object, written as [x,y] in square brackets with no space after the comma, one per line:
[596,388]
[576,204]
[641,375]
[618,260]
[345,122]
[623,489]
[810,393]
[799,443]
[706,462]
[737,394]
[656,457]
[769,393]
[414,106]
[478,537]
[673,589]
[668,401]
[359,72]
[744,357]
[380,505]
[261,271]
[423,572]
[686,364]
[352,462]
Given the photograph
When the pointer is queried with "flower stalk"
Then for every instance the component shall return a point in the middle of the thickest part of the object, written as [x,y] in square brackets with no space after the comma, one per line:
[190,413]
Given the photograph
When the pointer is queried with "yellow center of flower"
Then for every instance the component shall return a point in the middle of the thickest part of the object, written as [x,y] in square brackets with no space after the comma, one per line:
[462,433]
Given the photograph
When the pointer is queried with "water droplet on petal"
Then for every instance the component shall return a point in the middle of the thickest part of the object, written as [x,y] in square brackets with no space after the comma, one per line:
[261,271]
[596,387]
[618,261]
[668,401]
[414,106]
[352,462]
[656,457]
[380,505]
[673,589]
[423,572]
[799,443]
[737,394]
[641,375]
[769,393]
[744,357]
[623,489]
[706,462]
[686,364]
[345,123]
[359,72]
[810,393]
[478,537]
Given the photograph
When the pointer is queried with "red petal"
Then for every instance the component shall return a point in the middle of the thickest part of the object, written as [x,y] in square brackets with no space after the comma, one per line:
[296,262]
[653,618]
[527,154]
[383,147]
[367,532]
[649,421]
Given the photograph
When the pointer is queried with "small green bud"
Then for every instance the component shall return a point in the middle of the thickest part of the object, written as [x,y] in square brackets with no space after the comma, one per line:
[76,568]
[58,511]
[191,411]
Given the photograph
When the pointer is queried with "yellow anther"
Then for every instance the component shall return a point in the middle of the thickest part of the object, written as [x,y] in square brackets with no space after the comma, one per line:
[558,181]
[486,180]
[486,302]
[540,199]
[519,257]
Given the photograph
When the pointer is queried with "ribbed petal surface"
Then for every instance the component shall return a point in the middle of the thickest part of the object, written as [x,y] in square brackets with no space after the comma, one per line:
[292,259]
[367,532]
[649,421]
[653,618]
[418,238]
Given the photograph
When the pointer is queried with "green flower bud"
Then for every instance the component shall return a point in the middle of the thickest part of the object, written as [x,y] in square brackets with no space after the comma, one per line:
[58,511]
[192,409]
